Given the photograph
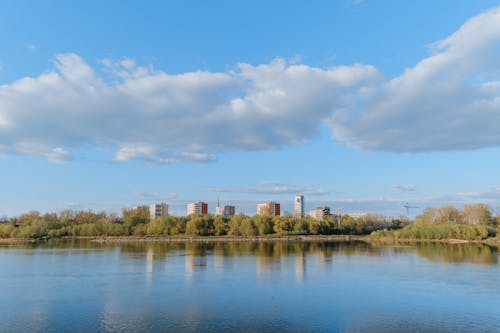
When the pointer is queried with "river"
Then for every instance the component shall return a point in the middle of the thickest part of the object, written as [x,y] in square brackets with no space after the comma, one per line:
[81,286]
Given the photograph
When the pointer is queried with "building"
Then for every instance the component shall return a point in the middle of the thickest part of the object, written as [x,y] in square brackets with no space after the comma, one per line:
[141,210]
[199,208]
[320,213]
[261,209]
[299,206]
[269,208]
[225,211]
[157,210]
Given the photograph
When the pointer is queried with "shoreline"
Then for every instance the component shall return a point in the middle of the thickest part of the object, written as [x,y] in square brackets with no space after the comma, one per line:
[207,239]
[488,241]
[268,238]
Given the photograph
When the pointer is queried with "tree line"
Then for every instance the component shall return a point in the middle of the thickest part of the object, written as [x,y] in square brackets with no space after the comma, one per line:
[34,225]
[473,222]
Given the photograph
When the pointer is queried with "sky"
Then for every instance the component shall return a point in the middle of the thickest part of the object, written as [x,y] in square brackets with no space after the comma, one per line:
[359,105]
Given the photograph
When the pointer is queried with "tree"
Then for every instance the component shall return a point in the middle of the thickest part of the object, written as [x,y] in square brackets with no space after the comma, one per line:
[29,218]
[157,227]
[448,214]
[283,225]
[235,225]
[477,214]
[427,217]
[248,227]
[301,227]
[264,224]
[220,226]
[131,221]
[199,225]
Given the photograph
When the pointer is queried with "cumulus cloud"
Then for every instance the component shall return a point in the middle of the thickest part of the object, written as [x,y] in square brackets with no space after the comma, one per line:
[164,118]
[448,101]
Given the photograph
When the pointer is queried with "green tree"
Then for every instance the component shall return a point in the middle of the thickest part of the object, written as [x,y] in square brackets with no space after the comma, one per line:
[220,226]
[264,224]
[235,225]
[200,225]
[283,225]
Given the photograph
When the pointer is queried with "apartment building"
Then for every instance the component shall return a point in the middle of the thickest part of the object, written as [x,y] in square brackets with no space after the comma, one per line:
[225,210]
[269,208]
[199,208]
[157,210]
[320,213]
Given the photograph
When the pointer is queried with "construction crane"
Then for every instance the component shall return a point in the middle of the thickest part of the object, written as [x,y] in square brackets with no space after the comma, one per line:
[407,206]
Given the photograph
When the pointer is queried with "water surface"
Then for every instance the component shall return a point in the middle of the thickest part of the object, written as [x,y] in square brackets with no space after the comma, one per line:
[80,286]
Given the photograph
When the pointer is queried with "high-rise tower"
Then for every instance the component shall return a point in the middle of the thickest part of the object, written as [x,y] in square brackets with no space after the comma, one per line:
[299,206]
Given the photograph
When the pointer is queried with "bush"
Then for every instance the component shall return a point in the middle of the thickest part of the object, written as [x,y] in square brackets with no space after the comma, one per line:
[423,231]
[6,230]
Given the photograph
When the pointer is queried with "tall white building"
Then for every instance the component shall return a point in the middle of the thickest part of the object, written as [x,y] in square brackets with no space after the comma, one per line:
[157,210]
[225,210]
[299,206]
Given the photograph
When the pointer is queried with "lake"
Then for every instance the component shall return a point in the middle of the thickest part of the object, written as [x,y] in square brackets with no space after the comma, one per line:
[81,286]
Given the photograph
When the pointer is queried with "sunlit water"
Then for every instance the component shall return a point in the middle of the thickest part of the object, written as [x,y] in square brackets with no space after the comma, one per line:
[254,287]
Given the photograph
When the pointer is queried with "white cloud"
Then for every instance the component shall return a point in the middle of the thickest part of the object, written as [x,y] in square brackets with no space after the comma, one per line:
[274,188]
[73,205]
[155,196]
[58,155]
[55,155]
[448,101]
[355,2]
[31,47]
[163,118]
[404,188]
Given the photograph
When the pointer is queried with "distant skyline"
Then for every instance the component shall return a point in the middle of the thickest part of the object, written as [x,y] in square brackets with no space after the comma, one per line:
[358,105]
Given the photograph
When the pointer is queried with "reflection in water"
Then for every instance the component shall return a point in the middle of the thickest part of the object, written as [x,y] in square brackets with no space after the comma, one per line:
[195,258]
[300,267]
[270,252]
[249,286]
[149,265]
[458,253]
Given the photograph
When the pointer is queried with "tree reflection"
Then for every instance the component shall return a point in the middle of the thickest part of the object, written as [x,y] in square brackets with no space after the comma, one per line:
[459,253]
[268,253]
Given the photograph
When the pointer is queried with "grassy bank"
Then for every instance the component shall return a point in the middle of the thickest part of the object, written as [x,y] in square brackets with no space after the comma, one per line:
[450,233]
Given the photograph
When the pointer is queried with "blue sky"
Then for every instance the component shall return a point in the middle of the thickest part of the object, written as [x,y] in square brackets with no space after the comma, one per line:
[360,105]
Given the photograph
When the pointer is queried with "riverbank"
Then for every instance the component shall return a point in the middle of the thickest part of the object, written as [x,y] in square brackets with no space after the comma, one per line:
[16,241]
[267,238]
[495,241]
[390,240]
